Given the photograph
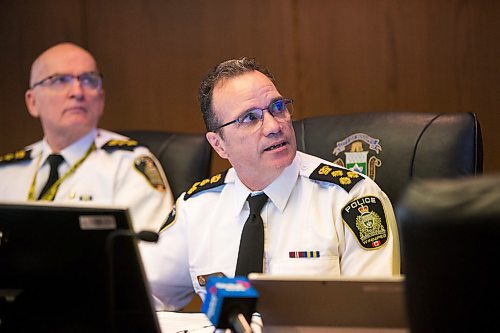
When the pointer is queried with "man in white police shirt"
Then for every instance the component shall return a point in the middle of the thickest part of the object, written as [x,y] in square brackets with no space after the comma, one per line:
[319,218]
[77,162]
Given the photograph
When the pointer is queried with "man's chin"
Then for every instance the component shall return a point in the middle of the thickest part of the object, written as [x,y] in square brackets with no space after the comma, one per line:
[77,128]
[281,162]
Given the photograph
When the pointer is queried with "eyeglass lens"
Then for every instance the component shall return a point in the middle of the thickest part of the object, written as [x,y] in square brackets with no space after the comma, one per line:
[254,118]
[92,81]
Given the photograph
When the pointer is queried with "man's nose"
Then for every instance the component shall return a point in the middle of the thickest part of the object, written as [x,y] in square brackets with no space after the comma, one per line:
[269,123]
[75,88]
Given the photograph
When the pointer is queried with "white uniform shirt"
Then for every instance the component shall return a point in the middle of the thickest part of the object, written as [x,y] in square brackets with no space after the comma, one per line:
[301,216]
[104,178]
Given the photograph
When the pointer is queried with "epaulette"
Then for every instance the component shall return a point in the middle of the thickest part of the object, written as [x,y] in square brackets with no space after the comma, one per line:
[18,156]
[113,145]
[344,178]
[206,184]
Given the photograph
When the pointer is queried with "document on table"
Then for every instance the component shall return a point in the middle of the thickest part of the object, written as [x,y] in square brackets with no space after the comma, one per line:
[181,322]
[185,322]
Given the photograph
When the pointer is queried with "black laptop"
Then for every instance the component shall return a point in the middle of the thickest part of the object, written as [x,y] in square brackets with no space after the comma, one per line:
[71,269]
[331,303]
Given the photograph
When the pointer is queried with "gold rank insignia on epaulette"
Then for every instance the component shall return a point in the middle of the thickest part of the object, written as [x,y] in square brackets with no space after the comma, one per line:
[113,145]
[206,184]
[344,178]
[18,156]
[366,218]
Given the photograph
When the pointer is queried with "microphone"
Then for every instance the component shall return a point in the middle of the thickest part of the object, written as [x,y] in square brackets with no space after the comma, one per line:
[148,236]
[144,235]
[230,303]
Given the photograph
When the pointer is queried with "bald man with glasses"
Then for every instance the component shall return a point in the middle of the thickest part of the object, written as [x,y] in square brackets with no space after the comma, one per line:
[77,162]
[277,210]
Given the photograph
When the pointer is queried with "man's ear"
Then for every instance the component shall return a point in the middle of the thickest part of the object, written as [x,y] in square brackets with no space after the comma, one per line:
[217,143]
[29,98]
[102,100]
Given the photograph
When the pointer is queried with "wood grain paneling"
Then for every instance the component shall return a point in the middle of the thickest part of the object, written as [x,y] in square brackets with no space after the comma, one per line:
[26,29]
[331,56]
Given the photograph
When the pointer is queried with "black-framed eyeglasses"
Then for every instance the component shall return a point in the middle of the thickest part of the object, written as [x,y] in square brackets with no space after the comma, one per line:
[252,120]
[89,80]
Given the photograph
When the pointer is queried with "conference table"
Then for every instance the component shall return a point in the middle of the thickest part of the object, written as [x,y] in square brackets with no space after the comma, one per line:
[181,322]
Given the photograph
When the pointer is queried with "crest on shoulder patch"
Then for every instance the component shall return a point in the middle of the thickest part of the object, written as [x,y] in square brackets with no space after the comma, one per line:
[356,158]
[113,145]
[205,184]
[333,174]
[147,167]
[18,156]
[366,218]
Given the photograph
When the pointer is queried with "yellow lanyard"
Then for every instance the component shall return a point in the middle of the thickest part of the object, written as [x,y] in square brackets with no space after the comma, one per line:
[51,193]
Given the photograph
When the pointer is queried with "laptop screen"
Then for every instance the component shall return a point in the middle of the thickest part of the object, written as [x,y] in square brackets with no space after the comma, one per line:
[326,301]
[71,269]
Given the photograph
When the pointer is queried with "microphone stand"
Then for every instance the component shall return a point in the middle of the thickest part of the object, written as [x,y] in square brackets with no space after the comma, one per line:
[239,323]
[147,236]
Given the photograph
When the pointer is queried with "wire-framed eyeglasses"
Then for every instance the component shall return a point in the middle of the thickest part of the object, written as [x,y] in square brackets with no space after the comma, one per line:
[252,120]
[89,80]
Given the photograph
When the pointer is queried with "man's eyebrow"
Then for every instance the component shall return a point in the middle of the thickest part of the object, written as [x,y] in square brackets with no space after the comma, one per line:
[275,99]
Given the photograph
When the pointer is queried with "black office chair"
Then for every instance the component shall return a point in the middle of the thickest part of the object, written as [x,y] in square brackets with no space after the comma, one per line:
[394,148]
[185,158]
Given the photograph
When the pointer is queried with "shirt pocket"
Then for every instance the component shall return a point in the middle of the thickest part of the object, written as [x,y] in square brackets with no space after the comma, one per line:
[306,266]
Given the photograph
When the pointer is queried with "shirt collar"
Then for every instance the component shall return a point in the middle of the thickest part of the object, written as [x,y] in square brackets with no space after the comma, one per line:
[281,188]
[278,191]
[73,152]
[240,193]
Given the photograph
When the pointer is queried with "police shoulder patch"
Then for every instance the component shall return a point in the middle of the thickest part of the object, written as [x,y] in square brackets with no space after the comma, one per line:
[148,168]
[366,218]
[205,184]
[18,156]
[113,145]
[344,178]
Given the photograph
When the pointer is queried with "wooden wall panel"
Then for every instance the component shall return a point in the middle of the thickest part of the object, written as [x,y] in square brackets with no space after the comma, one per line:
[26,29]
[331,56]
[161,50]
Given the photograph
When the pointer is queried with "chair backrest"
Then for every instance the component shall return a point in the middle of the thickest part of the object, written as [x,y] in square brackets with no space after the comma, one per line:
[185,158]
[448,232]
[394,148]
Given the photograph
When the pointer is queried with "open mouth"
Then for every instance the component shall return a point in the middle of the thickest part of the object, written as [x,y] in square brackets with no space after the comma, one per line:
[275,146]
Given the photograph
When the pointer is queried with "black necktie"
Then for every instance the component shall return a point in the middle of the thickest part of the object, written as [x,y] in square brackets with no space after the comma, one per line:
[54,161]
[251,252]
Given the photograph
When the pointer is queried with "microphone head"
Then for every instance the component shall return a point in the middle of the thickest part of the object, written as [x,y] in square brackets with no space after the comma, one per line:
[148,236]
[226,297]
